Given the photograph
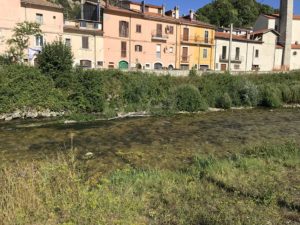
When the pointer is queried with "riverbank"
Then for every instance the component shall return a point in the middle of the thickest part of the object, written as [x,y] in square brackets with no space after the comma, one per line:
[26,92]
[259,185]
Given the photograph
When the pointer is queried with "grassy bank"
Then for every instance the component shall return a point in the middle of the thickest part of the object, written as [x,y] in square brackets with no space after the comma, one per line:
[260,185]
[110,92]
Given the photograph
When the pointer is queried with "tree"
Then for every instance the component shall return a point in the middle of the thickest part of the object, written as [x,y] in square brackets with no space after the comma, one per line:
[55,58]
[242,13]
[20,39]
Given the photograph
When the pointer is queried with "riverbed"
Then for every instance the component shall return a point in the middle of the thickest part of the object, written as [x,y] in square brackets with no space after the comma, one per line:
[149,142]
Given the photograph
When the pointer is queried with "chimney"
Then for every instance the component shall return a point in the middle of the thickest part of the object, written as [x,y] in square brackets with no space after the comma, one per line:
[285,39]
[81,10]
[163,10]
[176,9]
[192,14]
[143,6]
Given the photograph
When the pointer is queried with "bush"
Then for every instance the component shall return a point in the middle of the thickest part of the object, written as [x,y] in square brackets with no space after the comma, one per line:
[188,98]
[270,96]
[249,94]
[224,101]
[193,72]
[287,95]
[55,58]
[296,93]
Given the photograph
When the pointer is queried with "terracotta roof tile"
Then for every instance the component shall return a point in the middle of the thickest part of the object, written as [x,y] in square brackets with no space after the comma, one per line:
[223,35]
[276,16]
[294,46]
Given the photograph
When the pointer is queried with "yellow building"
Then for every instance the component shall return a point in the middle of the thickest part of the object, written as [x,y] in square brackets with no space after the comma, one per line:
[197,44]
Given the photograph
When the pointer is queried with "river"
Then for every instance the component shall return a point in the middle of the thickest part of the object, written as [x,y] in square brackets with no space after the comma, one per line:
[156,142]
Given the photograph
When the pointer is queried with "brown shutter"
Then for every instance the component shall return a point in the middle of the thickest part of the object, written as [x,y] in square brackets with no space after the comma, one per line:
[184,54]
[159,30]
[85,42]
[185,34]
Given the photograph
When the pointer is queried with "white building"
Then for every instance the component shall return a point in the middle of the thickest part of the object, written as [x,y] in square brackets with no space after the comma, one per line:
[251,52]
[288,25]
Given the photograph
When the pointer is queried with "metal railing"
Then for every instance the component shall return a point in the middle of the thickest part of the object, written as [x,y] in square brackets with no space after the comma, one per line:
[159,35]
[235,59]
[197,40]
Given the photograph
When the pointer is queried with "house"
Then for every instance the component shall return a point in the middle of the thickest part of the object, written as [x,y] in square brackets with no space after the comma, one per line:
[251,52]
[144,36]
[288,26]
[47,14]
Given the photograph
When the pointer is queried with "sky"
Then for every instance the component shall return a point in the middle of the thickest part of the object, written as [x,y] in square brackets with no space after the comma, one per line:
[186,5]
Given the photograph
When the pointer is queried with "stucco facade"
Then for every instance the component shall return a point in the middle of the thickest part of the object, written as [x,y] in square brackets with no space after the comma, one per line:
[49,15]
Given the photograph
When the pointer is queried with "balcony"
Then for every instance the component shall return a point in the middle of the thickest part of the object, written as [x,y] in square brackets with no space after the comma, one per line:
[185,59]
[159,36]
[234,59]
[197,40]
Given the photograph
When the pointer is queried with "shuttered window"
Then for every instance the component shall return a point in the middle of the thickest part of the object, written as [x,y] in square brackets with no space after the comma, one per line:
[123,29]
[123,49]
[138,28]
[85,42]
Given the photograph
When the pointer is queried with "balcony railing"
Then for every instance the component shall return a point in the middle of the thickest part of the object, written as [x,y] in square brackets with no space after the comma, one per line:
[234,59]
[185,59]
[159,36]
[197,40]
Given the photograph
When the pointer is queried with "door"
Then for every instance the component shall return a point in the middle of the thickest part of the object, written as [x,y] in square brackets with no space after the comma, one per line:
[158,51]
[186,34]
[159,30]
[123,65]
[223,67]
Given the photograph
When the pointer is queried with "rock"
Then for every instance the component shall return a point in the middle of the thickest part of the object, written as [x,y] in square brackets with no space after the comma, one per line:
[88,155]
[17,114]
[45,113]
[70,121]
[31,114]
[8,118]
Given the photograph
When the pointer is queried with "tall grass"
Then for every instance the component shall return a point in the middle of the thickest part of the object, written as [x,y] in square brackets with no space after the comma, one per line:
[244,188]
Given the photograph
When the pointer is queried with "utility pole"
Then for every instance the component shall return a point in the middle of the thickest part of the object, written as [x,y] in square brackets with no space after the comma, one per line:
[230,48]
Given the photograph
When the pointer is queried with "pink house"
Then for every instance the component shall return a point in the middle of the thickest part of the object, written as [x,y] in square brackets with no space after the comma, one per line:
[138,35]
[49,15]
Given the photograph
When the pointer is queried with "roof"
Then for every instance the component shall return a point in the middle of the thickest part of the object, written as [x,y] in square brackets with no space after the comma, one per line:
[74,29]
[222,35]
[295,46]
[149,5]
[42,3]
[264,31]
[276,16]
[159,17]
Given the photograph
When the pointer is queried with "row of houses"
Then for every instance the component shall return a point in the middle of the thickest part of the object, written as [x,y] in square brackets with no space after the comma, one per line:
[136,35]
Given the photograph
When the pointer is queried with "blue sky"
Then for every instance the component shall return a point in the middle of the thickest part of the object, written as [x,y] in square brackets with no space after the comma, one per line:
[186,5]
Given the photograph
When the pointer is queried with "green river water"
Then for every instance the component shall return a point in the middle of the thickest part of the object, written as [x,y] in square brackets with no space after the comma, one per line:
[156,142]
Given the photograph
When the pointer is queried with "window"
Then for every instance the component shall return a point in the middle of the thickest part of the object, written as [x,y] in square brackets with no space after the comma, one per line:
[159,11]
[205,53]
[39,40]
[158,30]
[158,51]
[206,34]
[138,28]
[100,63]
[123,49]
[147,66]
[256,53]
[171,50]
[224,52]
[39,18]
[236,66]
[86,63]
[68,42]
[138,48]
[237,53]
[169,30]
[85,42]
[186,34]
[123,28]
[147,9]
[184,67]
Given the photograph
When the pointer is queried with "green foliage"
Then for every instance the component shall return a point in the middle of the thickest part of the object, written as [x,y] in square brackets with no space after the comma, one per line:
[188,98]
[25,87]
[239,12]
[56,58]
[271,96]
[295,89]
[193,72]
[224,101]
[253,187]
[20,39]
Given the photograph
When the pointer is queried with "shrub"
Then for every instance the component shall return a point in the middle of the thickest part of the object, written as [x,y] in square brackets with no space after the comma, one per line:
[55,58]
[188,98]
[224,101]
[270,96]
[193,72]
[286,92]
[249,94]
[296,93]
